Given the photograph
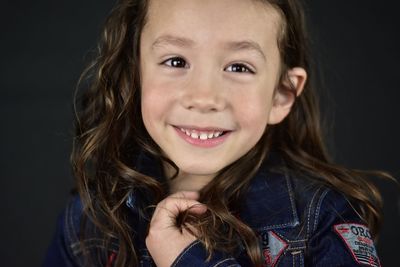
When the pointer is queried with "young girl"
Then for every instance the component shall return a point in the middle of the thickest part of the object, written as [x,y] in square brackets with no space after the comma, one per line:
[198,144]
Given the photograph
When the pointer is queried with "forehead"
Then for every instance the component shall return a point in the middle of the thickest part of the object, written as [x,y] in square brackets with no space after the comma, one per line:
[213,21]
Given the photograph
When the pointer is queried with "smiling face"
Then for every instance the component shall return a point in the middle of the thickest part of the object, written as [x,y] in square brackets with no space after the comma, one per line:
[208,71]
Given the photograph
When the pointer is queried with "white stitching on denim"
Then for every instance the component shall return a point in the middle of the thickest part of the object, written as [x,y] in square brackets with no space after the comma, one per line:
[225,260]
[69,226]
[88,240]
[72,232]
[67,221]
[91,242]
[266,228]
[297,240]
[318,209]
[302,260]
[296,254]
[95,246]
[293,206]
[300,255]
[293,260]
[309,212]
[296,248]
[184,252]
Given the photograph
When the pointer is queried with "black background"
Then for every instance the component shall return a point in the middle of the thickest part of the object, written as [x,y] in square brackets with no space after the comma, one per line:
[44,45]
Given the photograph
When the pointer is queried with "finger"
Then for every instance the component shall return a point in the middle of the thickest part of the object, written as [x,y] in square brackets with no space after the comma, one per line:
[168,209]
[186,194]
[174,206]
[197,208]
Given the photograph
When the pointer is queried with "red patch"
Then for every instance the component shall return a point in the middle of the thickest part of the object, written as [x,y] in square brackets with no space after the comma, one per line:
[276,247]
[267,257]
[111,259]
[358,241]
[343,230]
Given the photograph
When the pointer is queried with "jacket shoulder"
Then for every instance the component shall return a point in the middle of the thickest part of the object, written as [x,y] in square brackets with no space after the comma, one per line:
[320,204]
[77,238]
[64,245]
[335,231]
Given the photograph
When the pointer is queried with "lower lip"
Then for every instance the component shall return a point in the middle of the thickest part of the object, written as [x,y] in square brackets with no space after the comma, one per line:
[208,143]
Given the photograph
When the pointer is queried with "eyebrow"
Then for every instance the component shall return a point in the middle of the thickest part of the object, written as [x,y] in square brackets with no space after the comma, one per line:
[245,45]
[187,43]
[172,40]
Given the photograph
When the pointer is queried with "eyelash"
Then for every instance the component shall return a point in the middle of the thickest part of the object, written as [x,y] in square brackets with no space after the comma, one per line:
[172,59]
[243,67]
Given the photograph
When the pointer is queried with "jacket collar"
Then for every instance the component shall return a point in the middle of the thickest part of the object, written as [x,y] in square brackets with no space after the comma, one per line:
[139,199]
[268,204]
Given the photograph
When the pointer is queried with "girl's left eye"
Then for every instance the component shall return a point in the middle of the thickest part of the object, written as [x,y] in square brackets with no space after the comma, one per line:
[238,67]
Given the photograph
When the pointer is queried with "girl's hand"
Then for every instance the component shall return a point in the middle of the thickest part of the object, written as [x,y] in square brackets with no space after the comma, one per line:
[165,240]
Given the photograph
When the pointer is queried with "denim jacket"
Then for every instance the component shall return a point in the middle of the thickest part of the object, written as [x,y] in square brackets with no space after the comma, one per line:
[299,222]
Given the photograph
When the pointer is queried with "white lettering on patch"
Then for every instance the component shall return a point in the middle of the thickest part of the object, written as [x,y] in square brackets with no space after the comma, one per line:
[358,240]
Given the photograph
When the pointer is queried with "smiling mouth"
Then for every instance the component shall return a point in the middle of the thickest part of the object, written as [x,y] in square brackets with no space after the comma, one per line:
[202,134]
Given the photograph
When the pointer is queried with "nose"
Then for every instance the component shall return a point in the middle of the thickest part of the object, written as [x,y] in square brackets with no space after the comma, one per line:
[203,93]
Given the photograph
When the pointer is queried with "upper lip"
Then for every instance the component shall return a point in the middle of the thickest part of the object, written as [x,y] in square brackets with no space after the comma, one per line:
[202,129]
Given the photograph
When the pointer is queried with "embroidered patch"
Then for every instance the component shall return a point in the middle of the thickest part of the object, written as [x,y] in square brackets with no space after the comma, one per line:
[358,240]
[273,247]
[111,259]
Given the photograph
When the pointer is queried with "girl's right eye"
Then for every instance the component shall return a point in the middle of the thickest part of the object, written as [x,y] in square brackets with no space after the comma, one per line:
[175,62]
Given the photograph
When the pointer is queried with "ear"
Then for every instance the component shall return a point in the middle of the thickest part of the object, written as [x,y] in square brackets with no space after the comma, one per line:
[289,88]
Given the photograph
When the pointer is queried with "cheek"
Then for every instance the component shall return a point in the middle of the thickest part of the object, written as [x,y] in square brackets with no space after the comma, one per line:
[254,108]
[151,103]
[256,121]
[157,100]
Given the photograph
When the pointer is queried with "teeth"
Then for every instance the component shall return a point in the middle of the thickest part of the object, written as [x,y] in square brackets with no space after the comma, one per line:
[216,134]
[201,135]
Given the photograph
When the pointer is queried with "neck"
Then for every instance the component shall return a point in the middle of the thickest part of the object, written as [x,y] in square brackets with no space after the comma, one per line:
[186,182]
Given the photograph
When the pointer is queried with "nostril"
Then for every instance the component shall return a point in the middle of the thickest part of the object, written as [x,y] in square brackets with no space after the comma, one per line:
[202,102]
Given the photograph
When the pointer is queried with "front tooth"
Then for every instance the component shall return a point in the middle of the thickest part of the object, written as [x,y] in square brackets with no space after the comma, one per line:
[194,135]
[210,135]
[203,136]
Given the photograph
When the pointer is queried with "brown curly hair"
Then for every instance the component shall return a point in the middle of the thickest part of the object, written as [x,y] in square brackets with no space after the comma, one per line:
[110,134]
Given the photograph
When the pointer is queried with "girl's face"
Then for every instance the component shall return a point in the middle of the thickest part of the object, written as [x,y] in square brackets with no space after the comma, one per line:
[208,70]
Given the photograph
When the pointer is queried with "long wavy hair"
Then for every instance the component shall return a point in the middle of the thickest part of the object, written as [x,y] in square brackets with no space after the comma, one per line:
[110,134]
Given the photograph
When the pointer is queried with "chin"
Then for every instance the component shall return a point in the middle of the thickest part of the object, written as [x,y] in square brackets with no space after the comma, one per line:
[199,170]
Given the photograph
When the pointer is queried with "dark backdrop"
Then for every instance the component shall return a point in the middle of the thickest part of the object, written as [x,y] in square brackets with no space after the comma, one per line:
[44,45]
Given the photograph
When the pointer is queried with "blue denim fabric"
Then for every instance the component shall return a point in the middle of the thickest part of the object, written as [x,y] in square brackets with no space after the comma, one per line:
[294,217]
